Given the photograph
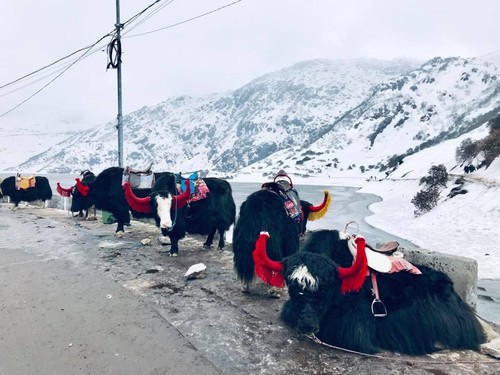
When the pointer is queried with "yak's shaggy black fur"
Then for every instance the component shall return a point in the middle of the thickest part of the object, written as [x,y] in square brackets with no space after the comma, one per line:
[41,191]
[425,314]
[263,210]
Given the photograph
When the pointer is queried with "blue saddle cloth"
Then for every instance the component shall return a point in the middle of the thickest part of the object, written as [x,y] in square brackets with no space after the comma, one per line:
[181,181]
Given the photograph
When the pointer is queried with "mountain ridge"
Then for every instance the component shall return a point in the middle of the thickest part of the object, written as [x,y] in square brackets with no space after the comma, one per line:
[380,108]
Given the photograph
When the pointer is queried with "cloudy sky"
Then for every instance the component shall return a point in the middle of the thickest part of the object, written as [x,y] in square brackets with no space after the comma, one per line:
[214,53]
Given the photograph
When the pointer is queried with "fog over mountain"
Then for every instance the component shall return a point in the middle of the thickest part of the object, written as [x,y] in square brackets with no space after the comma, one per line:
[354,117]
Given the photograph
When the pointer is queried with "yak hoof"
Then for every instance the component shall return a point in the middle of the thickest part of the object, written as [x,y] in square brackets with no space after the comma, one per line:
[119,234]
[245,288]
[207,246]
[173,254]
[274,292]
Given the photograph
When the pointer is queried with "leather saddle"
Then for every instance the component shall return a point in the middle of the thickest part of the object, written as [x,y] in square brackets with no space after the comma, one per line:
[23,183]
[139,178]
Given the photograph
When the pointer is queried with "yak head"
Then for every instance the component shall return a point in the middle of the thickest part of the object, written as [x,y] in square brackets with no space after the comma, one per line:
[313,279]
[162,204]
[80,196]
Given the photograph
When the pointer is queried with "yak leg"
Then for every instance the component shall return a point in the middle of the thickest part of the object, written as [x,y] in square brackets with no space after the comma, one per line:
[174,246]
[245,286]
[210,239]
[221,239]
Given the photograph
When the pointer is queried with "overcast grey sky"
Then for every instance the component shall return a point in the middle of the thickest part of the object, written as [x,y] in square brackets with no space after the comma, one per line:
[216,53]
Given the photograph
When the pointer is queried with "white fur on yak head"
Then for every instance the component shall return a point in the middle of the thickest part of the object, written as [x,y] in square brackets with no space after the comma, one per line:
[313,279]
[158,204]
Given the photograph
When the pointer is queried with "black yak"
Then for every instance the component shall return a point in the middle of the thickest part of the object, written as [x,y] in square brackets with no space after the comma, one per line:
[80,206]
[26,189]
[107,193]
[266,209]
[214,212]
[331,297]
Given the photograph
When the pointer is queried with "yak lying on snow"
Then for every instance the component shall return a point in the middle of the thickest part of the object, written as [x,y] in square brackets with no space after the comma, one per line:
[265,210]
[37,188]
[215,212]
[331,297]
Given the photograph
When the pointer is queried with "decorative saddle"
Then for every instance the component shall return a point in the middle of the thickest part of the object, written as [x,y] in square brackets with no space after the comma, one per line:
[23,183]
[284,189]
[196,184]
[139,178]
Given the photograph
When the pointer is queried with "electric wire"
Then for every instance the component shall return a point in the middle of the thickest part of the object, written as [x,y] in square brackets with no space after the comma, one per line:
[186,21]
[87,50]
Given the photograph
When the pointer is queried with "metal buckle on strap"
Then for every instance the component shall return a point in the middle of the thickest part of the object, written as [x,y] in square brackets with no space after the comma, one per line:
[378,308]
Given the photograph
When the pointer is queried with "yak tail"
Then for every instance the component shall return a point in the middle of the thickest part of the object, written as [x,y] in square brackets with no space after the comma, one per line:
[269,271]
[354,277]
[317,212]
[137,204]
[64,192]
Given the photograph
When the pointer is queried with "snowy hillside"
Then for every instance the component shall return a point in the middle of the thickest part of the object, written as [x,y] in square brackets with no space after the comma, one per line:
[228,131]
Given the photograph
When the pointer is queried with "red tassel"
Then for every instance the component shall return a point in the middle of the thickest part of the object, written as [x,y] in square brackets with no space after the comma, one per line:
[137,204]
[182,199]
[269,271]
[354,277]
[82,189]
[64,192]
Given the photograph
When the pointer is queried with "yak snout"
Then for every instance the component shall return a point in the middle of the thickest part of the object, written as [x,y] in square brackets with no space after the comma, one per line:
[163,205]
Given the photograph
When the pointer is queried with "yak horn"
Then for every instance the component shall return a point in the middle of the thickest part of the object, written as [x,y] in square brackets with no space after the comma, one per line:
[64,192]
[317,212]
[269,271]
[183,198]
[82,189]
[354,277]
[137,204]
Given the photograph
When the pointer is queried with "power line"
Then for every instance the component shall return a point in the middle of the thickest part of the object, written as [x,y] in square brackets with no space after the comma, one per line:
[89,48]
[187,20]
[53,79]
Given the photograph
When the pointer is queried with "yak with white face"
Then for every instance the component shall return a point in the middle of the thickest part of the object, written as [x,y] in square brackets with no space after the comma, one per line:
[177,215]
[331,297]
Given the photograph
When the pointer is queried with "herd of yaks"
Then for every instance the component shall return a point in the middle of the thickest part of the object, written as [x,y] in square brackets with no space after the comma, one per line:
[341,291]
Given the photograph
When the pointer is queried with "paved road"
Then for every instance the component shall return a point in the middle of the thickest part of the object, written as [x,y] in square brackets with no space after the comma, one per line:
[60,319]
[76,300]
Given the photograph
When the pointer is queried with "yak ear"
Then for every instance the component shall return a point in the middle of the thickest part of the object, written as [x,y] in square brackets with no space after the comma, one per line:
[82,189]
[353,277]
[317,212]
[269,271]
[141,205]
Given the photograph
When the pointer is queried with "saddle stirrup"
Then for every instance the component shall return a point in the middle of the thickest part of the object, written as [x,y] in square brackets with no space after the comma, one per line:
[378,307]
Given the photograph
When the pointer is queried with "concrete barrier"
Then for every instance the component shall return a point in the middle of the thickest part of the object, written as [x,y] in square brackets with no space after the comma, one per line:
[461,270]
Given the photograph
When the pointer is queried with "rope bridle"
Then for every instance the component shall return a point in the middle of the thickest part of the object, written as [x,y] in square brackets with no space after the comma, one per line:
[313,337]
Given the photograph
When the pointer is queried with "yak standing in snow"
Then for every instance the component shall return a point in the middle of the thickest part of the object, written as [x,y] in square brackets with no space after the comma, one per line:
[277,209]
[331,297]
[26,189]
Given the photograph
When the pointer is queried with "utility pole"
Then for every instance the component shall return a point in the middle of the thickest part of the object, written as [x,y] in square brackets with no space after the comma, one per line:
[119,126]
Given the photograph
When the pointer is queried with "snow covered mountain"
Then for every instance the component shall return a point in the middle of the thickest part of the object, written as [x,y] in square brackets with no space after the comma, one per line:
[315,117]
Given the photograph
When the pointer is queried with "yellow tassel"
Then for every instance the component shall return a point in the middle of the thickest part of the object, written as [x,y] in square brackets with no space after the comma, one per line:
[319,214]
